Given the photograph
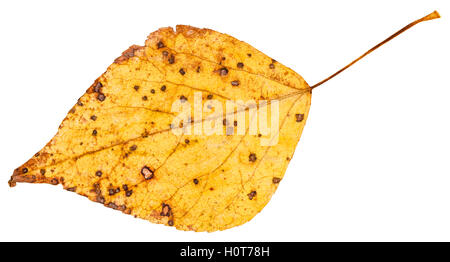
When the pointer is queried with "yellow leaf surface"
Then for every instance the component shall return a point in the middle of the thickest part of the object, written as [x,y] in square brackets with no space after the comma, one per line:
[125,146]
[117,146]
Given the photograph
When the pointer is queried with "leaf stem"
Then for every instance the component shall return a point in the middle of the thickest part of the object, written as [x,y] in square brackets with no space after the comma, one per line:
[431,16]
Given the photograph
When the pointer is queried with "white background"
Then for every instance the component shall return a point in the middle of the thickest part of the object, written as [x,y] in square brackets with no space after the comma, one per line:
[373,161]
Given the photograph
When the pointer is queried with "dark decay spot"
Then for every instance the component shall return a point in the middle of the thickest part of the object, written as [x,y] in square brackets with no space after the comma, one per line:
[235,123]
[133,147]
[94,132]
[276,180]
[182,72]
[125,187]
[240,65]
[163,88]
[42,171]
[97,87]
[198,69]
[165,53]
[211,189]
[252,157]
[128,193]
[186,141]
[24,170]
[299,117]
[170,223]
[209,96]
[112,205]
[183,99]
[274,61]
[166,210]
[136,88]
[223,71]
[99,173]
[251,195]
[259,135]
[100,199]
[111,191]
[224,122]
[145,98]
[171,59]
[152,91]
[37,154]
[147,173]
[195,181]
[79,103]
[249,55]
[72,189]
[101,97]
[235,83]
[160,44]
[271,66]
[54,181]
[93,117]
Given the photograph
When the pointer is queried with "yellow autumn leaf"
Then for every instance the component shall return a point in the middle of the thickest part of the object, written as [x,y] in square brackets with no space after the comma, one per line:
[193,130]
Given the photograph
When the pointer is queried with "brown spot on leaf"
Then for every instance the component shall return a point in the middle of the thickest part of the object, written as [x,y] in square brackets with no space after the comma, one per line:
[171,59]
[160,44]
[94,132]
[99,173]
[130,52]
[72,189]
[182,72]
[240,65]
[128,193]
[163,88]
[235,83]
[42,171]
[183,99]
[97,87]
[101,97]
[223,71]
[195,181]
[251,195]
[133,147]
[54,181]
[136,88]
[147,173]
[252,157]
[93,117]
[24,170]
[276,180]
[112,205]
[166,210]
[272,66]
[299,117]
[170,222]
